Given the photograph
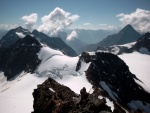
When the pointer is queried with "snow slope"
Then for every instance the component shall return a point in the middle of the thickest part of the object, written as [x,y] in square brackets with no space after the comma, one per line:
[62,69]
[17,97]
[139,65]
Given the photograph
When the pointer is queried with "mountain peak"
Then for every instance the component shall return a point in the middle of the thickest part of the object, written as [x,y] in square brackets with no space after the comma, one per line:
[13,35]
[35,30]
[21,29]
[128,28]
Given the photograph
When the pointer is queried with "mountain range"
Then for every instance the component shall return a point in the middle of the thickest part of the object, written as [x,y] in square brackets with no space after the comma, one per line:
[142,45]
[14,35]
[126,35]
[95,82]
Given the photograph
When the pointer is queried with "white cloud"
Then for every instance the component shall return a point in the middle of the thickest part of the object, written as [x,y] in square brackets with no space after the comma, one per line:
[140,19]
[111,27]
[8,26]
[72,35]
[87,24]
[107,27]
[30,21]
[56,21]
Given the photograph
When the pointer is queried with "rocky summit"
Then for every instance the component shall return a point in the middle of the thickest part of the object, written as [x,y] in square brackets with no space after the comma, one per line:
[51,97]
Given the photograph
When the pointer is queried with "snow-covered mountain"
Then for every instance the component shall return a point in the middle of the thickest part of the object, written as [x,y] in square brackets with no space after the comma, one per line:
[30,63]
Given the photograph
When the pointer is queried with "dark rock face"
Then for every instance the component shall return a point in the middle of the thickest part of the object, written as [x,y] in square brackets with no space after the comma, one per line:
[143,42]
[11,37]
[51,97]
[22,56]
[55,43]
[111,74]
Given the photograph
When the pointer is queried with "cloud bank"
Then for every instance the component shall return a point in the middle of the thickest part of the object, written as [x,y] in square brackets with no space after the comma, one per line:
[72,36]
[140,19]
[56,21]
[107,27]
[8,26]
[30,21]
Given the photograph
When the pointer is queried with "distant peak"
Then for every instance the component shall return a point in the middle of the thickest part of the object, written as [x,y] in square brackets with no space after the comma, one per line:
[128,28]
[35,31]
[21,29]
[128,25]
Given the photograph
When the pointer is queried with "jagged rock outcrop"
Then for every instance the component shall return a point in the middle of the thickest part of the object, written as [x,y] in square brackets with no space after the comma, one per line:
[111,74]
[22,56]
[51,97]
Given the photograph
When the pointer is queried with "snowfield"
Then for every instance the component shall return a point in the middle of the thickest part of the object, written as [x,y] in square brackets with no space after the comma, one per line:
[16,96]
[139,64]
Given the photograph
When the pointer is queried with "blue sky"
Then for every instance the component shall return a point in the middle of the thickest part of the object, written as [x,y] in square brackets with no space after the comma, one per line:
[93,14]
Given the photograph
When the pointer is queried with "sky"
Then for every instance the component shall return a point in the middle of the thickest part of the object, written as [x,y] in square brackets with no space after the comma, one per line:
[51,16]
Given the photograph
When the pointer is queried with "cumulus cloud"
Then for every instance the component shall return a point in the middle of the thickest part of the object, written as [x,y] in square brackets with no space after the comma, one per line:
[8,26]
[140,19]
[30,20]
[72,36]
[87,24]
[56,21]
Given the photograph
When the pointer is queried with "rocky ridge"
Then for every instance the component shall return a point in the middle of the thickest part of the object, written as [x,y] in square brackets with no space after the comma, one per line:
[110,73]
